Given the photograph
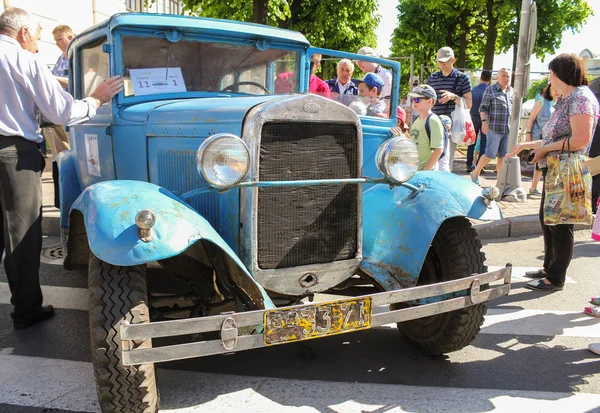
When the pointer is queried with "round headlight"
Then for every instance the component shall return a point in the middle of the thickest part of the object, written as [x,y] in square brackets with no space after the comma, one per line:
[223,160]
[397,159]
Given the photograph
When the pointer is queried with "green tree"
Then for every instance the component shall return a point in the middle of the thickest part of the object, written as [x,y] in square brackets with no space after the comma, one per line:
[537,87]
[333,24]
[479,29]
[554,17]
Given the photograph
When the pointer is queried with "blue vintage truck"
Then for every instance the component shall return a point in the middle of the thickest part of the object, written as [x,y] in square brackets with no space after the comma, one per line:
[212,210]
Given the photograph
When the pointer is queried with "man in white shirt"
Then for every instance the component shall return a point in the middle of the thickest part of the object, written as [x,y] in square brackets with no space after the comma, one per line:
[28,86]
[370,67]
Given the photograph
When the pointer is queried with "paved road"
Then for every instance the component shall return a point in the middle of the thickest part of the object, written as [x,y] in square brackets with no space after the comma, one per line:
[531,356]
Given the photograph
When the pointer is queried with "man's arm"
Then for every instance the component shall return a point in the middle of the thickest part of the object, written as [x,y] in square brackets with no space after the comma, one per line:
[64,81]
[484,110]
[60,107]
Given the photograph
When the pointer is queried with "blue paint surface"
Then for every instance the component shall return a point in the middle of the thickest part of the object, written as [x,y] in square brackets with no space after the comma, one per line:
[398,227]
[109,210]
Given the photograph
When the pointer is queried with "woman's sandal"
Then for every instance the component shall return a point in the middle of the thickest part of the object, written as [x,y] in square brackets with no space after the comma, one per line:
[595,300]
[593,311]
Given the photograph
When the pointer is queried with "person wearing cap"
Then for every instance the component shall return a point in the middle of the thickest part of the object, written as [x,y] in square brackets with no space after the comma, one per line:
[370,67]
[343,86]
[400,128]
[449,84]
[495,111]
[429,146]
[369,89]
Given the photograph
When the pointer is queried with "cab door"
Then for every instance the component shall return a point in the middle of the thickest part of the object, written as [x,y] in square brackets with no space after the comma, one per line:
[375,128]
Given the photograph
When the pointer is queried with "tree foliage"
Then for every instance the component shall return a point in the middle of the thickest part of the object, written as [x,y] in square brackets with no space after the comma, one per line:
[479,29]
[537,87]
[333,24]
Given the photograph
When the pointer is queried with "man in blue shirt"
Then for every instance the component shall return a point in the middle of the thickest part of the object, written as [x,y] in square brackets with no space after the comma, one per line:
[28,87]
[484,82]
[449,84]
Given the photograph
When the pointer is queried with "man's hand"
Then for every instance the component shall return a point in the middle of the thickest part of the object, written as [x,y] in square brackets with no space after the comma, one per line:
[447,97]
[64,81]
[484,127]
[107,90]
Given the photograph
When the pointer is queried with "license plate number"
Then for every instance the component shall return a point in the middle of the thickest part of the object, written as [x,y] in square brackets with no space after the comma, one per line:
[317,320]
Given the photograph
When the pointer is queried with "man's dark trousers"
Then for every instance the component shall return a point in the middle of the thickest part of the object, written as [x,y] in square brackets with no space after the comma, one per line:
[21,165]
[482,143]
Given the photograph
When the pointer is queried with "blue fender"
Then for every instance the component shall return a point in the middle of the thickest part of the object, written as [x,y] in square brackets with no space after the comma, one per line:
[109,209]
[399,226]
[69,188]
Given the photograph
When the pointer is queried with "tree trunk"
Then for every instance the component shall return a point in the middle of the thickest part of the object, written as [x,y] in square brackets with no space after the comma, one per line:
[260,8]
[491,36]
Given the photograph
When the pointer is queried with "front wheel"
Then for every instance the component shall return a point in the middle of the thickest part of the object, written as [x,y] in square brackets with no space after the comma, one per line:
[454,253]
[118,294]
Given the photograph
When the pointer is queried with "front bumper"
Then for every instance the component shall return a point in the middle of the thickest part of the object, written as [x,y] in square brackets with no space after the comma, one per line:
[229,324]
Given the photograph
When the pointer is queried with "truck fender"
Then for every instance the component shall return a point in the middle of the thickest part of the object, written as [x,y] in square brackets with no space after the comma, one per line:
[69,188]
[400,224]
[109,210]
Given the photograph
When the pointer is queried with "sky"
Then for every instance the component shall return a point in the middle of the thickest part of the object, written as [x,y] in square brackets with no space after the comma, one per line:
[571,43]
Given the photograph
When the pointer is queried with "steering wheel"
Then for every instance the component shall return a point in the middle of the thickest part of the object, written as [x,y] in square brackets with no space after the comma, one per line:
[231,86]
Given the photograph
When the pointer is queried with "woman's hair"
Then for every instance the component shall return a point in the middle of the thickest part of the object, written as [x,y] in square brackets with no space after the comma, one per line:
[546,93]
[569,68]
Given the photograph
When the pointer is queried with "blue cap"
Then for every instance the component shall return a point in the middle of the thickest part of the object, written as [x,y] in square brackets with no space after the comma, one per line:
[372,80]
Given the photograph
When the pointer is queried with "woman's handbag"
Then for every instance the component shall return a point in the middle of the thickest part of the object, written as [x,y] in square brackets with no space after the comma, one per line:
[596,227]
[568,186]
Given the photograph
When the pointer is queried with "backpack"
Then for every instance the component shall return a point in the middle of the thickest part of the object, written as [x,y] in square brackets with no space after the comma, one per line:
[446,134]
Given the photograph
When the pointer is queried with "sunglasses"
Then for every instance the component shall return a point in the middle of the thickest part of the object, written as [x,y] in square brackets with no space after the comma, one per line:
[417,100]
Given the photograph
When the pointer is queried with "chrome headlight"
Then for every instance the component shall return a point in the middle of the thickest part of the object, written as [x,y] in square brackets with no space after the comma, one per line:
[223,160]
[397,159]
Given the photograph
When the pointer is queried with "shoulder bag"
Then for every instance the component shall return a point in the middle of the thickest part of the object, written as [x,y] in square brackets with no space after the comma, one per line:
[568,187]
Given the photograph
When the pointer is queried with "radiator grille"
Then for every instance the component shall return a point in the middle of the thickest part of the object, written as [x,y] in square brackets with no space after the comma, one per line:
[303,225]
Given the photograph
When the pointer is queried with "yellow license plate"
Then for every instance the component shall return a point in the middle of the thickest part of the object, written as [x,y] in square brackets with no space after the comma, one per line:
[317,320]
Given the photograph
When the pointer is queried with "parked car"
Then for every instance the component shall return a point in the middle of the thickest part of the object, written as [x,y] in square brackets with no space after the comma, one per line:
[211,211]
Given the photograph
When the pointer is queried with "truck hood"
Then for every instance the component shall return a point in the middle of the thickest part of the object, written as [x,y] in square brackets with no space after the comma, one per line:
[193,117]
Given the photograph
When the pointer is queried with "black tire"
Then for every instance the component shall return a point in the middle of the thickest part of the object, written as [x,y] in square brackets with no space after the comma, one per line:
[454,253]
[117,294]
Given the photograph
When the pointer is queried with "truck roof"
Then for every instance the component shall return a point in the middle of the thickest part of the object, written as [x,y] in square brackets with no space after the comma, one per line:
[201,25]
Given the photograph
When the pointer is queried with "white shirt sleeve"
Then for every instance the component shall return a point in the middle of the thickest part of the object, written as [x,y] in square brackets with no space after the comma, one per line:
[56,104]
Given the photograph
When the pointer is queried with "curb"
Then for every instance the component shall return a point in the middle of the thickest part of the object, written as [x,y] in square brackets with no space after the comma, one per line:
[514,227]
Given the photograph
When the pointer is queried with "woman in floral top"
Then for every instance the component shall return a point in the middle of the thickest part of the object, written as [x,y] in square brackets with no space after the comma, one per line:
[572,125]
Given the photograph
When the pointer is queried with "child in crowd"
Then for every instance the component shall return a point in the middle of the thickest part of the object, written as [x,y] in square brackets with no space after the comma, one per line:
[369,90]
[427,130]
[400,128]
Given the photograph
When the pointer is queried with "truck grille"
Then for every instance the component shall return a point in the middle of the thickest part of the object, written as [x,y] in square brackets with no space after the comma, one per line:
[301,225]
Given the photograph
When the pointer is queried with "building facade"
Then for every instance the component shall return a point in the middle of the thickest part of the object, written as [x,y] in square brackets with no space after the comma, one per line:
[80,14]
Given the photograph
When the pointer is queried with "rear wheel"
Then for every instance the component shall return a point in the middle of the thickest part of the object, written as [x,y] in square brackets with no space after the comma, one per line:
[454,253]
[118,294]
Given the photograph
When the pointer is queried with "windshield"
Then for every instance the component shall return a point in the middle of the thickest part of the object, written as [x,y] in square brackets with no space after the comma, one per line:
[154,65]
